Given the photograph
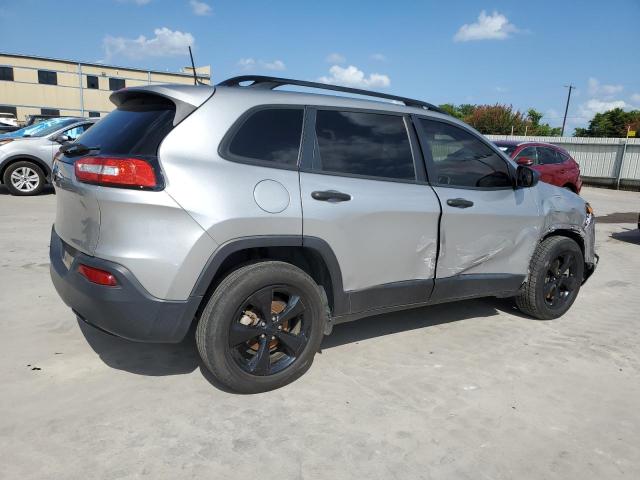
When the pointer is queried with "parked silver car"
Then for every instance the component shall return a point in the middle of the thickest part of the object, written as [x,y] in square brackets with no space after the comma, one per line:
[269,216]
[26,155]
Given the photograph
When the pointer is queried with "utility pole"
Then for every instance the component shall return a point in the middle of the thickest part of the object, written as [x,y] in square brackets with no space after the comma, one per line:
[566,109]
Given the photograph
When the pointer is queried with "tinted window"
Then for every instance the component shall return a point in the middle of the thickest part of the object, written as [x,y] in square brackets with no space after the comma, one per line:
[116,83]
[370,144]
[271,135]
[48,78]
[94,114]
[135,128]
[92,82]
[529,152]
[463,160]
[6,73]
[54,112]
[547,156]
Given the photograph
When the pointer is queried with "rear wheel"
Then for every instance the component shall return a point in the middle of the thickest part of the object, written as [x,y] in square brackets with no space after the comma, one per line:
[262,327]
[555,276]
[24,178]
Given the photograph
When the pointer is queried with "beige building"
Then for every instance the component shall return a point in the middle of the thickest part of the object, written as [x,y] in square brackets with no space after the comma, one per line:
[37,85]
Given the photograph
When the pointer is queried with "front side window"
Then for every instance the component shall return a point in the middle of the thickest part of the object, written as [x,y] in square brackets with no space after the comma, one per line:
[547,156]
[528,152]
[463,160]
[367,144]
[75,132]
[47,78]
[270,135]
[116,83]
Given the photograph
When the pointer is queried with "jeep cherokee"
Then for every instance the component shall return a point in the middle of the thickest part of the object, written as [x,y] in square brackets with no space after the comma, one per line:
[268,216]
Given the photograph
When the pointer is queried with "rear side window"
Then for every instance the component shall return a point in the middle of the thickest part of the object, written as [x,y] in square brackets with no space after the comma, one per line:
[135,128]
[462,160]
[548,156]
[271,135]
[367,144]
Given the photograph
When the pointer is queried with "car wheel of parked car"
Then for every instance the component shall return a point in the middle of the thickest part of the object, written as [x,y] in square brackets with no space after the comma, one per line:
[262,327]
[24,178]
[555,276]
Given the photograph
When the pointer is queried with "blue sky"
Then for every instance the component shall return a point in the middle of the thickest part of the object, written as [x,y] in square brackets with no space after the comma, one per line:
[519,53]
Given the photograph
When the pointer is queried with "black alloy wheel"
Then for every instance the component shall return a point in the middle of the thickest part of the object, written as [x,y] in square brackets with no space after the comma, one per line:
[269,330]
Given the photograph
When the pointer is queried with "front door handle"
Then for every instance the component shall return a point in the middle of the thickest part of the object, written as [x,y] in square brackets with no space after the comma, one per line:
[330,196]
[459,203]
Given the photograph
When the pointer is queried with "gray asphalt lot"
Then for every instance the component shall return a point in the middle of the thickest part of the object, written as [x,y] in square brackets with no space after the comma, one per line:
[470,390]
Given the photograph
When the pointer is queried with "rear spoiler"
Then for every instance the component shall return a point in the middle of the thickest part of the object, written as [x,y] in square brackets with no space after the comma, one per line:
[186,98]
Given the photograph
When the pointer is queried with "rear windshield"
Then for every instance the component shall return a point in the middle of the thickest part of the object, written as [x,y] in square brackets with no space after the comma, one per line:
[135,128]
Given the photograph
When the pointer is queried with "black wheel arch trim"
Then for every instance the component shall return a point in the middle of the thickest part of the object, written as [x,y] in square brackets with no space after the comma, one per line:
[209,272]
[18,158]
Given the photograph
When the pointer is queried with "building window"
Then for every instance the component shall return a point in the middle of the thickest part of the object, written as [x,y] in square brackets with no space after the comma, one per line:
[92,82]
[47,78]
[54,112]
[116,83]
[6,73]
[94,114]
[8,109]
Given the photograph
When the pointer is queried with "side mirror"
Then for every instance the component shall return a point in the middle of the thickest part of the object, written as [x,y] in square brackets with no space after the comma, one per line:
[526,161]
[62,139]
[526,177]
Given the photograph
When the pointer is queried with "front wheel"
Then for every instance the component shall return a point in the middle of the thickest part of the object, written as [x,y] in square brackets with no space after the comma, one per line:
[24,178]
[262,327]
[555,276]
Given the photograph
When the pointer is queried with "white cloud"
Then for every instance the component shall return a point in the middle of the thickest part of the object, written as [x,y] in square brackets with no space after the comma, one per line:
[200,8]
[488,27]
[165,43]
[275,65]
[246,63]
[335,58]
[635,97]
[251,63]
[596,89]
[588,109]
[353,77]
[379,57]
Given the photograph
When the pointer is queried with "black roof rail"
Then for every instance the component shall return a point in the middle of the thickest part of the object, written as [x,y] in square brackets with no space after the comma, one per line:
[269,83]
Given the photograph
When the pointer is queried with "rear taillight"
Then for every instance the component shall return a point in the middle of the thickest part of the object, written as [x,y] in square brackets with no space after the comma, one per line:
[95,275]
[114,171]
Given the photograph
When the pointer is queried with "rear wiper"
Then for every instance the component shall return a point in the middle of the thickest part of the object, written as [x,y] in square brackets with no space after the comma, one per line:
[75,149]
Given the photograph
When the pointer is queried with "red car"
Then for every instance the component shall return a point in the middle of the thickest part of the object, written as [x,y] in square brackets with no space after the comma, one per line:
[555,164]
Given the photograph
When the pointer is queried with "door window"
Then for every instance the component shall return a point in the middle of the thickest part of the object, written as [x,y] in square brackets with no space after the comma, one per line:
[461,159]
[270,135]
[528,152]
[363,144]
[548,156]
[75,132]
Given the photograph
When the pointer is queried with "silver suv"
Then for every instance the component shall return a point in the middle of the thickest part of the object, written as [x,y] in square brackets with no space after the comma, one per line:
[268,216]
[26,155]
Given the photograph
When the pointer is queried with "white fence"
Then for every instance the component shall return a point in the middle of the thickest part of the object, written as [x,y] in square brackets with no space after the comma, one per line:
[602,161]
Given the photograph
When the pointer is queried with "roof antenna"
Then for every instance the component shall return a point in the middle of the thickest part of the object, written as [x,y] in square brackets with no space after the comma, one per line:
[193,66]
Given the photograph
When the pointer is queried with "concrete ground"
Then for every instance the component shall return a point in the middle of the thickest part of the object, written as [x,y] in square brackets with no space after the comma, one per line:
[470,390]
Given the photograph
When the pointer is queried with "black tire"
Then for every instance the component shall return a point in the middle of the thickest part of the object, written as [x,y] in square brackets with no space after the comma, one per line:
[234,366]
[13,178]
[551,288]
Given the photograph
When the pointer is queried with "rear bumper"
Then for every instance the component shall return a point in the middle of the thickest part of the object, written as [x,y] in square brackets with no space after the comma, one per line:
[126,310]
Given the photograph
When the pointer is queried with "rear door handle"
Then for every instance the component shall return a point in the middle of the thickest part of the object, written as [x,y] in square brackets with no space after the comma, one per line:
[459,203]
[330,196]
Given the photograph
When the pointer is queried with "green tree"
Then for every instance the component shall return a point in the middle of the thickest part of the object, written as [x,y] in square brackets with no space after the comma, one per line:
[496,119]
[534,127]
[612,123]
